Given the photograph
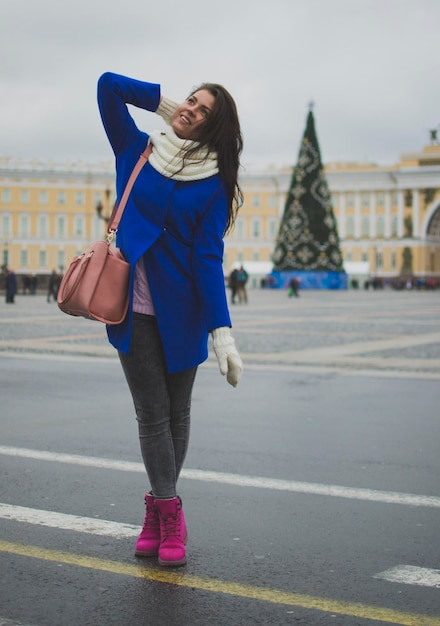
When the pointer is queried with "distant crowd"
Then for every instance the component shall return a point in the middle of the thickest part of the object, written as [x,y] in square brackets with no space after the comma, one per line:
[399,283]
[29,284]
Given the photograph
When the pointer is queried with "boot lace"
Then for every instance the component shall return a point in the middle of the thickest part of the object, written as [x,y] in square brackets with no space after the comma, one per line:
[151,520]
[171,526]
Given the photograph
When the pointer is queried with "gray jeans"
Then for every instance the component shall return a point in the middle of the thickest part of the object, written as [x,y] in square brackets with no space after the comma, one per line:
[162,402]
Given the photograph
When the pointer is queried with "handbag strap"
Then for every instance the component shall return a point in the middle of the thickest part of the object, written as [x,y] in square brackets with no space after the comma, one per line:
[116,215]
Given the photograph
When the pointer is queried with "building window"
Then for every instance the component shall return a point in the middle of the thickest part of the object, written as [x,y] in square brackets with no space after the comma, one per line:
[6,196]
[61,259]
[240,257]
[334,199]
[6,224]
[24,196]
[365,200]
[393,260]
[380,226]
[395,198]
[365,226]
[42,258]
[61,198]
[23,258]
[79,225]
[350,199]
[273,228]
[42,226]
[256,256]
[61,225]
[273,201]
[239,228]
[43,197]
[256,228]
[364,256]
[379,259]
[350,226]
[394,222]
[256,200]
[24,225]
[349,257]
[380,198]
[79,198]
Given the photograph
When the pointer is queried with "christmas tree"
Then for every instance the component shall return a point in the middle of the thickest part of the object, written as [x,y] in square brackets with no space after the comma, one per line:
[308,239]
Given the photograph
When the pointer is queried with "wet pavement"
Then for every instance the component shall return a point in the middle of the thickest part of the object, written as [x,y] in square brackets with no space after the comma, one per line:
[303,488]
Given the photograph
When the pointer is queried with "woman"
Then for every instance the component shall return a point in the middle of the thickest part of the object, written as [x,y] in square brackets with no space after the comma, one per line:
[183,202]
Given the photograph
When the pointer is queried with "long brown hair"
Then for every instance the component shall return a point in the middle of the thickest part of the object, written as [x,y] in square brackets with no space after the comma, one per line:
[221,133]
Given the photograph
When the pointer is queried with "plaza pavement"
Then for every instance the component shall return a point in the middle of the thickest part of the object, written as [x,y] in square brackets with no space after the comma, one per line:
[386,333]
[317,512]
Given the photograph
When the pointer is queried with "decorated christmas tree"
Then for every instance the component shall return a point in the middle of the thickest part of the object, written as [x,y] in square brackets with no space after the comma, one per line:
[308,239]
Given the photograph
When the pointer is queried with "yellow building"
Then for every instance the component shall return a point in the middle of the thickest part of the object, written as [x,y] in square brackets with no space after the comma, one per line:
[388,217]
[48,212]
[252,241]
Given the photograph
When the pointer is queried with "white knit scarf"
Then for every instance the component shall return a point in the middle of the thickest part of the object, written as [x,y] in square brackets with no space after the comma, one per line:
[167,157]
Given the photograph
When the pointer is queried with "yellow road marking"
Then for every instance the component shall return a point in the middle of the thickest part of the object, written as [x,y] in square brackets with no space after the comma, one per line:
[274,596]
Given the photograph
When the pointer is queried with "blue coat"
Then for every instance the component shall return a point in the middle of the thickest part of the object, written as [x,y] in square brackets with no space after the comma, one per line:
[177,227]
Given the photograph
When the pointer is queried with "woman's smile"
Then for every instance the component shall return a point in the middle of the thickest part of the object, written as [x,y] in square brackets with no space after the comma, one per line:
[191,114]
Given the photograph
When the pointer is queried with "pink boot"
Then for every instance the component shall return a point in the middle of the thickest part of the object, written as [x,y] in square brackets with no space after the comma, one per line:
[149,539]
[173,535]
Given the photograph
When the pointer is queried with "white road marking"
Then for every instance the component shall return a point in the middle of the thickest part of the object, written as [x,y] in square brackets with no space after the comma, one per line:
[9,622]
[237,480]
[65,521]
[411,575]
[405,574]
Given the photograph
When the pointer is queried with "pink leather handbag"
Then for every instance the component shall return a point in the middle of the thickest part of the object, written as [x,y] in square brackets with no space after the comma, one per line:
[95,284]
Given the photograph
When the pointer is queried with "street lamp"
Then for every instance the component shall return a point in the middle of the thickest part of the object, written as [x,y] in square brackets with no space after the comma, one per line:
[5,262]
[104,212]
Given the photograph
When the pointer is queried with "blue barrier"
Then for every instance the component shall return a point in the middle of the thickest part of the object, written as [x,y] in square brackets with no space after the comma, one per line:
[310,280]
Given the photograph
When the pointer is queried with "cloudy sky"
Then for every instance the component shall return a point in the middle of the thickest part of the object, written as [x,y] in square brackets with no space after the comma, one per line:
[370,66]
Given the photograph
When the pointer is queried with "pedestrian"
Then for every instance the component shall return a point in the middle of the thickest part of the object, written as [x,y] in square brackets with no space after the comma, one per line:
[232,284]
[242,278]
[293,287]
[184,201]
[10,286]
[26,282]
[52,286]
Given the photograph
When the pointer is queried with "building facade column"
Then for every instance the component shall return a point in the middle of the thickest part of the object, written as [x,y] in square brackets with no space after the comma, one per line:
[341,217]
[357,215]
[387,225]
[400,202]
[373,227]
[416,212]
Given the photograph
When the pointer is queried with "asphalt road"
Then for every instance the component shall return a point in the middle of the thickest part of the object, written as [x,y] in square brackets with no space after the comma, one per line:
[308,490]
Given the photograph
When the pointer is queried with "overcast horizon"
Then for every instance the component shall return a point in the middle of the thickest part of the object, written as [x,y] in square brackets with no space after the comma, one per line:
[369,66]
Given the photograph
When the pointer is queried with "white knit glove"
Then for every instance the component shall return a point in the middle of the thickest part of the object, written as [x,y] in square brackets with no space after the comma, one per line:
[229,361]
[166,109]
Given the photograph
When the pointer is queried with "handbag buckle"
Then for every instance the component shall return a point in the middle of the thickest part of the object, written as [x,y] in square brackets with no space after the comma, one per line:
[110,236]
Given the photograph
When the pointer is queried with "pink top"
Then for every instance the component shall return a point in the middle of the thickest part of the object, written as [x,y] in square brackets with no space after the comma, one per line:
[142,301]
